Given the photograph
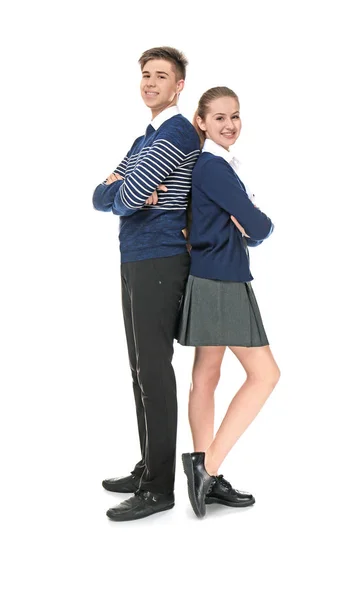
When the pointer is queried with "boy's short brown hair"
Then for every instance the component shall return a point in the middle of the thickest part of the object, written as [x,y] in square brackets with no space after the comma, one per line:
[172,55]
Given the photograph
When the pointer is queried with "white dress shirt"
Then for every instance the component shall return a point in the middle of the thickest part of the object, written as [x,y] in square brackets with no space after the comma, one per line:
[166,114]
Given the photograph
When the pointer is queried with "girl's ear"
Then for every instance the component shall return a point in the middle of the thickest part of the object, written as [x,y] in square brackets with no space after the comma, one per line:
[201,124]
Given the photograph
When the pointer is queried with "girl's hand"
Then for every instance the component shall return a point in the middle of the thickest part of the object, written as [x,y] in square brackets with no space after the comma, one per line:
[239,226]
[113,177]
[153,199]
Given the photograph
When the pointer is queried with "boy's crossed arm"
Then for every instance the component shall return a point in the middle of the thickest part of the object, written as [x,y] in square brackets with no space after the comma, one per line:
[153,198]
[125,196]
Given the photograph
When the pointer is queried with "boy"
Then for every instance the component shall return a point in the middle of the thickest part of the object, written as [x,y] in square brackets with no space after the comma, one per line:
[149,190]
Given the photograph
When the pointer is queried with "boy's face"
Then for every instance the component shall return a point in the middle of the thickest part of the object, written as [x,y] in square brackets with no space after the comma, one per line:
[159,86]
[222,123]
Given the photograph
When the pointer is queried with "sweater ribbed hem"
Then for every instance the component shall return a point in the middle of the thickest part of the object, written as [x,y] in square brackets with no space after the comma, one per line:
[159,252]
[209,271]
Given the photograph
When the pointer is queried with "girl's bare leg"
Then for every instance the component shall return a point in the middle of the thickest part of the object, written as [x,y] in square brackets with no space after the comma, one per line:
[205,376]
[262,376]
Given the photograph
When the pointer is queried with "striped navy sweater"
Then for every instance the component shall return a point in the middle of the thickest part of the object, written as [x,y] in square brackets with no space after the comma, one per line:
[163,156]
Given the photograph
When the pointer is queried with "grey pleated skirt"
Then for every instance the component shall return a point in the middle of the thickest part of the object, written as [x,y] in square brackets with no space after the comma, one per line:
[220,313]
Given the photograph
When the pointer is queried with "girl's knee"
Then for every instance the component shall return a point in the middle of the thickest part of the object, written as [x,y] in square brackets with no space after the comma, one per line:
[267,376]
[206,378]
[275,376]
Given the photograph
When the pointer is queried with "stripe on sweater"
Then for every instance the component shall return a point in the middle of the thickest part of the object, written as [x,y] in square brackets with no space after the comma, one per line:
[161,160]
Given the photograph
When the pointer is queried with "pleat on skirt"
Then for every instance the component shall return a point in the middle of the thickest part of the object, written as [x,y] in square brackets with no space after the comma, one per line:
[220,313]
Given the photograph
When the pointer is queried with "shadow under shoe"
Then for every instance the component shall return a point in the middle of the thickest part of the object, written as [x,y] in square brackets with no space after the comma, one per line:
[222,492]
[199,481]
[142,504]
[124,485]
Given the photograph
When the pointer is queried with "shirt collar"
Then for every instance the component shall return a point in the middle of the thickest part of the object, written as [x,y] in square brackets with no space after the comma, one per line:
[234,162]
[166,114]
[217,150]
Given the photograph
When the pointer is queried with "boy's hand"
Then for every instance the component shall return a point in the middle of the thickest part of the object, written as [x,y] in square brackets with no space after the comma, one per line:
[113,177]
[153,199]
[185,233]
[239,226]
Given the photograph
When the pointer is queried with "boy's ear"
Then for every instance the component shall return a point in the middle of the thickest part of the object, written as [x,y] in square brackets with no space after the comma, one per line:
[180,85]
[200,124]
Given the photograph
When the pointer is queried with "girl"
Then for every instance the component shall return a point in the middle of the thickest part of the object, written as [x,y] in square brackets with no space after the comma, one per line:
[220,308]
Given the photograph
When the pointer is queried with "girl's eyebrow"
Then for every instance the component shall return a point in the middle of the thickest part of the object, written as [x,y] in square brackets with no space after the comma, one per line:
[224,114]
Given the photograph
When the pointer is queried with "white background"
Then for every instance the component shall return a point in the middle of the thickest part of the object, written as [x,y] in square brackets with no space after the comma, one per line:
[71,110]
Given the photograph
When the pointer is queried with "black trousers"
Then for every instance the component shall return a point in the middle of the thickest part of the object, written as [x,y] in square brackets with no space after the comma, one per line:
[152,291]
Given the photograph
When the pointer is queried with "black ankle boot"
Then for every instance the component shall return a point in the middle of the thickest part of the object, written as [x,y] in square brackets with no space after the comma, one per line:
[199,481]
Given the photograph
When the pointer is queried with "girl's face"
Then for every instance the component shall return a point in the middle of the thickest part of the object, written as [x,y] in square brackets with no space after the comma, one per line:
[222,123]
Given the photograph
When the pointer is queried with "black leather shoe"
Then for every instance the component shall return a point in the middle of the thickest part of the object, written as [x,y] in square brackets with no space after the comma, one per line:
[199,481]
[124,485]
[223,493]
[142,504]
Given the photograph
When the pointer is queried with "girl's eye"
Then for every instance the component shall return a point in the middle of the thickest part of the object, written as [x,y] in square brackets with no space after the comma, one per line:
[236,117]
[219,119]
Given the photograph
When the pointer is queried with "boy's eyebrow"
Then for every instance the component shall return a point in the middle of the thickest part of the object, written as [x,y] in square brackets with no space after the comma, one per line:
[160,72]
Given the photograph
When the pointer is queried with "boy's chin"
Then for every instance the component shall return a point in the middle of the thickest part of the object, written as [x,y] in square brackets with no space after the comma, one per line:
[150,102]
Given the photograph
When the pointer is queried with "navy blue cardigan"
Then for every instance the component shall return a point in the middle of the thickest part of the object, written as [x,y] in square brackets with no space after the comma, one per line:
[219,251]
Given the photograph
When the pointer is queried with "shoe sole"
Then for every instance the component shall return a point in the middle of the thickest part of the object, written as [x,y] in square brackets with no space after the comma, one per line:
[188,470]
[232,504]
[116,518]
